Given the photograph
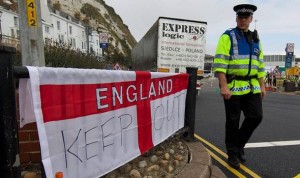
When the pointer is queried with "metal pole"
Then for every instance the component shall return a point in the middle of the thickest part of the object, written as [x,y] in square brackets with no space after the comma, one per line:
[88,32]
[190,105]
[0,28]
[87,44]
[9,149]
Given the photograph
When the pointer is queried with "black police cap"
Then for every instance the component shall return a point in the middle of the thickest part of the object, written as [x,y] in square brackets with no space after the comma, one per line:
[244,9]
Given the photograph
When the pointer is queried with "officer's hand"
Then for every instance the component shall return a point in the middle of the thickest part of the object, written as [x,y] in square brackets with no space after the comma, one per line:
[225,92]
[263,93]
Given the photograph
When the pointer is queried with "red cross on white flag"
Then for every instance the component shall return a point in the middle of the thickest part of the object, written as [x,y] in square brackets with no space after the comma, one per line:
[93,121]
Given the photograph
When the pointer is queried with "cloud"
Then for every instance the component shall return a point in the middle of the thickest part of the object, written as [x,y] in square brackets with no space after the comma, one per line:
[277,20]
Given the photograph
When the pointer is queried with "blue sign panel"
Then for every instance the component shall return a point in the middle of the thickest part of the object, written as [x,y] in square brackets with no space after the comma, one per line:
[103,45]
[288,61]
[288,65]
[290,54]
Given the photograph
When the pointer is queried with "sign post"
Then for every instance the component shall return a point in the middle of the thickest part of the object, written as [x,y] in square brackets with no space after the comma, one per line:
[289,55]
[88,32]
[103,41]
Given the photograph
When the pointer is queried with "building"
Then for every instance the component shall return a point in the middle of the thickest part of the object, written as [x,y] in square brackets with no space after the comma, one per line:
[271,61]
[9,28]
[58,29]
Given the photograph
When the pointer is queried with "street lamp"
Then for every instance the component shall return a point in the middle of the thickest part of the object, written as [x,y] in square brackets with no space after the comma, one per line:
[255,23]
[0,28]
[88,32]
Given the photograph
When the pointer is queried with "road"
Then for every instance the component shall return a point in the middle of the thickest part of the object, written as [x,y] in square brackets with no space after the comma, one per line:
[280,126]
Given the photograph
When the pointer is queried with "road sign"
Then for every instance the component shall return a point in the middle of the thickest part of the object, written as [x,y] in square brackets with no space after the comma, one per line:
[288,65]
[290,54]
[289,57]
[288,61]
[290,47]
[103,45]
[103,38]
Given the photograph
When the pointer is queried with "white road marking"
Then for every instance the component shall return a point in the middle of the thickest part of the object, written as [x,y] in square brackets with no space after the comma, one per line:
[270,144]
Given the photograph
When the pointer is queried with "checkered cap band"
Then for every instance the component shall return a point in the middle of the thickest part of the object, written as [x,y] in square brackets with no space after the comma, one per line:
[244,10]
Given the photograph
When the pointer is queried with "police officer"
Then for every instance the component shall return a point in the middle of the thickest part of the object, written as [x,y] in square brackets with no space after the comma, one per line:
[239,66]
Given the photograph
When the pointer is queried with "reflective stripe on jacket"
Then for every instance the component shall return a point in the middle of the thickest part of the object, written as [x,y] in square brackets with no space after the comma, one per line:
[233,58]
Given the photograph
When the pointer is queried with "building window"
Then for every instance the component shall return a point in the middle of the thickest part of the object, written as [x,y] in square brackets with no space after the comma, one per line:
[61,39]
[70,30]
[267,58]
[47,29]
[83,34]
[18,33]
[58,25]
[91,48]
[12,31]
[73,42]
[84,45]
[16,21]
[281,58]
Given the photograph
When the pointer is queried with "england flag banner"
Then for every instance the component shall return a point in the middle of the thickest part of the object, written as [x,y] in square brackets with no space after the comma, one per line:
[92,121]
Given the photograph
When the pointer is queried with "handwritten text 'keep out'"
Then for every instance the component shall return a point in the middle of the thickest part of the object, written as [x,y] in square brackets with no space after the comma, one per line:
[112,132]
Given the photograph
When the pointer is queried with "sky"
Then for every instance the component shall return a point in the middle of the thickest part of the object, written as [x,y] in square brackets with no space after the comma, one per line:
[276,21]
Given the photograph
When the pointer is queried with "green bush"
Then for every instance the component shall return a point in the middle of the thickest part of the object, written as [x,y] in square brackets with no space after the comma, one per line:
[56,56]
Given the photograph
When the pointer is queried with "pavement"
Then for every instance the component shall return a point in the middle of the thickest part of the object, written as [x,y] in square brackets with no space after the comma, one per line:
[199,164]
[288,93]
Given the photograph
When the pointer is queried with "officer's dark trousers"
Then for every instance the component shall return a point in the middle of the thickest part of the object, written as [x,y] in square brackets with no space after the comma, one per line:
[237,136]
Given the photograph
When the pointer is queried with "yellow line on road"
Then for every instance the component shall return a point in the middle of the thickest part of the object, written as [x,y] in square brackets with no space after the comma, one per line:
[297,176]
[225,155]
[234,171]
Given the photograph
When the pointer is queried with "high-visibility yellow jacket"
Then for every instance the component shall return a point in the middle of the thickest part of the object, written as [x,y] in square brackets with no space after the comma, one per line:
[233,57]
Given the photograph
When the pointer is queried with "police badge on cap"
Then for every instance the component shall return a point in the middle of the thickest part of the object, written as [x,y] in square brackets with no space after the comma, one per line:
[244,9]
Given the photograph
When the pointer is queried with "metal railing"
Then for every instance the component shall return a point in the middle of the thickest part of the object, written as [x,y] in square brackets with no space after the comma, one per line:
[10,41]
[9,150]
